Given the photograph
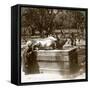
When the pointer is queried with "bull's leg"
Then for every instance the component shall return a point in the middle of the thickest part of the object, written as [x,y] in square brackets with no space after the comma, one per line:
[53,46]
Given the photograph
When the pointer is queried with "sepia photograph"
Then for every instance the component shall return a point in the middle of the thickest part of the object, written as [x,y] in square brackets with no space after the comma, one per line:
[53,44]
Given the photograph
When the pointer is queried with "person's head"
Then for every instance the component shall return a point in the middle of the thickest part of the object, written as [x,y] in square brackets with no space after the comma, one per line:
[29,43]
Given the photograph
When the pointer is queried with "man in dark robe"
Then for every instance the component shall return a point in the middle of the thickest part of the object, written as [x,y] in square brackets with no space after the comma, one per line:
[30,64]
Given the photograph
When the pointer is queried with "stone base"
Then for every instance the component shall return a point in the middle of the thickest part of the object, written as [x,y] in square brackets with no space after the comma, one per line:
[57,61]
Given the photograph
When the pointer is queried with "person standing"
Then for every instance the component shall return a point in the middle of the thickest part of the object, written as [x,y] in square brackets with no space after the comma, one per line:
[73,40]
[30,65]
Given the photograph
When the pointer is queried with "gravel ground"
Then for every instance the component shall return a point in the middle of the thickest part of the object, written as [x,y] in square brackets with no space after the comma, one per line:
[49,77]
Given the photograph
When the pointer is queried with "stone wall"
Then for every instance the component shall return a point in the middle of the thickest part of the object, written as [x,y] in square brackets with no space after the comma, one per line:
[57,61]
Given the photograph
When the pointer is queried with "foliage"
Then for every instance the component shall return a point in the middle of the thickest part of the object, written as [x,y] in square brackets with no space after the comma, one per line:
[45,21]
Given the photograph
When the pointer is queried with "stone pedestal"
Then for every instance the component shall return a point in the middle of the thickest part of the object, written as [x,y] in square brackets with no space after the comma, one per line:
[57,61]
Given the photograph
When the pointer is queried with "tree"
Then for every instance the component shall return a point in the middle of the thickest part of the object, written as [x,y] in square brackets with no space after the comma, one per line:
[42,19]
[39,19]
[68,19]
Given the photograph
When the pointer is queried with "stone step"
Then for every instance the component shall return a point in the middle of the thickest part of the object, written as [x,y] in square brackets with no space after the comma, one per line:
[52,58]
[55,71]
[54,65]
